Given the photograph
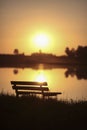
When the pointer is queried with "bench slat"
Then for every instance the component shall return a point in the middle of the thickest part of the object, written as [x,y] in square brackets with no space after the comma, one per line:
[51,93]
[26,92]
[30,88]
[28,83]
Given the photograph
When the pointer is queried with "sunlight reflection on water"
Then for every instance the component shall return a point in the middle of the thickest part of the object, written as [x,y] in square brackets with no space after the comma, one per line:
[71,87]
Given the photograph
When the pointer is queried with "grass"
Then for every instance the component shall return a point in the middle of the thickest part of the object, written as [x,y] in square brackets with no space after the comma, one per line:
[41,114]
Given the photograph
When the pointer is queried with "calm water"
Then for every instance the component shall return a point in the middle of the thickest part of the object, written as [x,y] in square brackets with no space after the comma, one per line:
[71,85]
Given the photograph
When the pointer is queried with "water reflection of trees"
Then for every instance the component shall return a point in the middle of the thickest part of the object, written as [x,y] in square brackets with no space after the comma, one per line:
[15,71]
[79,72]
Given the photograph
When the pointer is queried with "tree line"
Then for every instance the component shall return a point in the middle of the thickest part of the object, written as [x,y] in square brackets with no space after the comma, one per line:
[80,52]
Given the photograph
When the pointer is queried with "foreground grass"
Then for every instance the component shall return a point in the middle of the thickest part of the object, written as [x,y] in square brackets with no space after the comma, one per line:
[35,113]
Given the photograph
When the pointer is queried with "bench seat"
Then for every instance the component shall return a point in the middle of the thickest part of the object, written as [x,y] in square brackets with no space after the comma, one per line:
[51,93]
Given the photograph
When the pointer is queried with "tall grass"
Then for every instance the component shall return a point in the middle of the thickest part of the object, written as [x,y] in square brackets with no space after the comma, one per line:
[44,114]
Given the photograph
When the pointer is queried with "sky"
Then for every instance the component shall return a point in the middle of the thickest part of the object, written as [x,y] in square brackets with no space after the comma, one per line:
[63,22]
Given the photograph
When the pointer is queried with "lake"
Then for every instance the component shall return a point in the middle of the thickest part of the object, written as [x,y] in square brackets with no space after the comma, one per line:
[69,81]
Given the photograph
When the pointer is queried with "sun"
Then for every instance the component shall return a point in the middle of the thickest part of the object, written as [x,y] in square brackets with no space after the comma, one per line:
[41,77]
[41,40]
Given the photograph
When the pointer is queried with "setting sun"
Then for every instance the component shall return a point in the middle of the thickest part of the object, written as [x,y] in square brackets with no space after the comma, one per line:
[41,40]
[41,78]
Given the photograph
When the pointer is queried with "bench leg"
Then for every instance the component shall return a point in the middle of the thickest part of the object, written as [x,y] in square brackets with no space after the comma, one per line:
[16,93]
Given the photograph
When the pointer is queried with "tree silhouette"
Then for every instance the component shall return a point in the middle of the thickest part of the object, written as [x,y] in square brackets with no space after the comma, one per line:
[70,53]
[80,52]
[16,51]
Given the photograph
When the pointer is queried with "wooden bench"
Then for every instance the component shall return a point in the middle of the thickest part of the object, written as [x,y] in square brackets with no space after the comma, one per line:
[32,88]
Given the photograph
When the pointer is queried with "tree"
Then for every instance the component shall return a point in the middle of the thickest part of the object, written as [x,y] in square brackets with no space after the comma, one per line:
[70,53]
[67,51]
[81,52]
[16,51]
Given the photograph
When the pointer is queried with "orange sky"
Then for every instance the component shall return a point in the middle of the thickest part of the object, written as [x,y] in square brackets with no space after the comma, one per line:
[64,21]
